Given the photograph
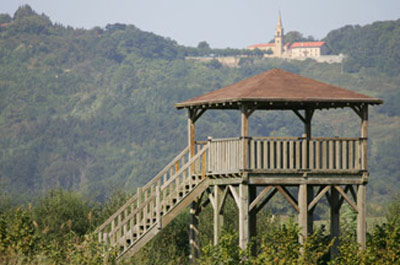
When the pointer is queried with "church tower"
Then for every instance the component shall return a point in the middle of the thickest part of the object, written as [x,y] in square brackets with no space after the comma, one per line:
[279,37]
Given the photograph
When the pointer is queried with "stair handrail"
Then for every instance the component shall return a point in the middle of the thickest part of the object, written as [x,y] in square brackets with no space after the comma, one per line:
[145,187]
[185,167]
[165,185]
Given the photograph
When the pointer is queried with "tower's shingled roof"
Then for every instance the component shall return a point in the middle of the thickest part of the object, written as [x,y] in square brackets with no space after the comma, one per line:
[279,86]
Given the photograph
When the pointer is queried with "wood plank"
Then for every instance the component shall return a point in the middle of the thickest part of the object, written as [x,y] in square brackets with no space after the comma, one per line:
[285,155]
[334,221]
[311,160]
[298,154]
[291,154]
[235,194]
[344,155]
[278,154]
[258,155]
[338,154]
[259,197]
[364,136]
[331,155]
[317,154]
[351,154]
[324,154]
[304,157]
[288,197]
[244,233]
[316,199]
[352,204]
[265,154]
[272,155]
[266,200]
[303,214]
[357,164]
[361,216]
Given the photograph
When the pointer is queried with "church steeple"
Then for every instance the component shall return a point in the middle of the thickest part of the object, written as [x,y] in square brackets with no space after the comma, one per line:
[279,37]
[279,20]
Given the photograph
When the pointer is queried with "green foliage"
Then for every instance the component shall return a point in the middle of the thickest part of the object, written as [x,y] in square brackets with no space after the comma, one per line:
[170,246]
[370,46]
[203,45]
[227,252]
[59,211]
[92,110]
[295,36]
[23,240]
[5,18]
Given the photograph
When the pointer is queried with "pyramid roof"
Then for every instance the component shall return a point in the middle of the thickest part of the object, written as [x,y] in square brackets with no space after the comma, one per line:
[279,89]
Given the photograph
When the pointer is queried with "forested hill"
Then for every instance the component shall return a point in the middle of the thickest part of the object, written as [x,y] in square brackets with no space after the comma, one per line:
[92,110]
[375,45]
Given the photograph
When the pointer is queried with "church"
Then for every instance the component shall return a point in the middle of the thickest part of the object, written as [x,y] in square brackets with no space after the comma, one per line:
[296,50]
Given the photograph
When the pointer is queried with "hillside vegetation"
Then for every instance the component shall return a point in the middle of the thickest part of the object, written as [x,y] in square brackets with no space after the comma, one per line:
[92,110]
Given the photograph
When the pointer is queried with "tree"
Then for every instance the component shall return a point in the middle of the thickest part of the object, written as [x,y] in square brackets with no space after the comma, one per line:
[295,36]
[5,18]
[203,45]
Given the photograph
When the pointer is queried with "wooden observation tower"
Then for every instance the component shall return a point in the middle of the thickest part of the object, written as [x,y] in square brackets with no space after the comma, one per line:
[253,169]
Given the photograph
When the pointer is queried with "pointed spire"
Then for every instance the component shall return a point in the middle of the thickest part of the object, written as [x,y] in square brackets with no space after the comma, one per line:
[279,20]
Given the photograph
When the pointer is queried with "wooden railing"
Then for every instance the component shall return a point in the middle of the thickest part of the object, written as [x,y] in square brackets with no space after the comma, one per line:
[286,153]
[225,155]
[144,210]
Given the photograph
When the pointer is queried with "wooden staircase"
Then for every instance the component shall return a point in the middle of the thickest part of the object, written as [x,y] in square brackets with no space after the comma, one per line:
[156,204]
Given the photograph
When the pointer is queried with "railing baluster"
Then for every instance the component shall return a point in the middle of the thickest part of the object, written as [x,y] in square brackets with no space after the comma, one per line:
[272,154]
[331,155]
[304,154]
[265,155]
[284,154]
[357,155]
[317,154]
[252,154]
[298,154]
[338,154]
[311,159]
[278,154]
[351,154]
[258,154]
[344,154]
[291,154]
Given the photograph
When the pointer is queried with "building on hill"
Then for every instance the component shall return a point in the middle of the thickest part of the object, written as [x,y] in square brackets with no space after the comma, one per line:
[296,50]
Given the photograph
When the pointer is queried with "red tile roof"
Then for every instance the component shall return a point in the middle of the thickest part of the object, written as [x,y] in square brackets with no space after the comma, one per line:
[281,87]
[307,44]
[262,45]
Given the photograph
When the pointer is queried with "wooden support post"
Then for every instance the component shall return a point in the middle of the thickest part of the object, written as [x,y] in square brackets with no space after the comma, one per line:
[307,124]
[244,135]
[307,130]
[361,192]
[364,136]
[361,216]
[310,212]
[335,217]
[244,231]
[194,233]
[303,213]
[191,137]
[218,213]
[252,217]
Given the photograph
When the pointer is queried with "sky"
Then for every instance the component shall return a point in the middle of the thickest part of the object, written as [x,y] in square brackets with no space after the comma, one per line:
[222,23]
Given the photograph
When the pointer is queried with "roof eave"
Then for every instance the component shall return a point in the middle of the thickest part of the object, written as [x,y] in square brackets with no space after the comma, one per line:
[371,101]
